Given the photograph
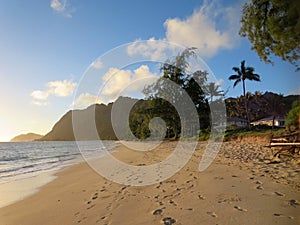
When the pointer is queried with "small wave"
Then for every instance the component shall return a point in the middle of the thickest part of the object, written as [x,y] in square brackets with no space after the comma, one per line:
[59,157]
[13,158]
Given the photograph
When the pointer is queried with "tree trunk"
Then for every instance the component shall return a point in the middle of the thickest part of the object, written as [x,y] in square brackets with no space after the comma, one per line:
[246,104]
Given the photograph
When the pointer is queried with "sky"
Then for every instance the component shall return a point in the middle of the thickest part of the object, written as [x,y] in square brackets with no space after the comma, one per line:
[48,48]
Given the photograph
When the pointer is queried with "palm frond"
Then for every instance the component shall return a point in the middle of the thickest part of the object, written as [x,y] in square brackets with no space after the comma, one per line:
[243,69]
[236,82]
[236,69]
[256,77]
[234,77]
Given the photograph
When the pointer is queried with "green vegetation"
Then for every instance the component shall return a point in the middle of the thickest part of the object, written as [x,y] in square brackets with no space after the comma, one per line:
[254,131]
[158,115]
[168,92]
[260,105]
[273,26]
[293,117]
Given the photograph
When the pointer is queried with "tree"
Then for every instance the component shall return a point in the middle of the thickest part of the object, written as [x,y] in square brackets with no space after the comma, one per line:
[274,106]
[273,26]
[175,72]
[292,119]
[244,73]
[213,89]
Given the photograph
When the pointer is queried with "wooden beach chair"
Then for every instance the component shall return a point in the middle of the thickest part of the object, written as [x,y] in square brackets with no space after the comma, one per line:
[288,144]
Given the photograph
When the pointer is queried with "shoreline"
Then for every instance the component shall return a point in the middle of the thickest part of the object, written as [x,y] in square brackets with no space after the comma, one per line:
[27,185]
[228,192]
[23,185]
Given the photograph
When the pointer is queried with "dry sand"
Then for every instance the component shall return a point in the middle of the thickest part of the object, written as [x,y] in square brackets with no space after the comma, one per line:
[240,187]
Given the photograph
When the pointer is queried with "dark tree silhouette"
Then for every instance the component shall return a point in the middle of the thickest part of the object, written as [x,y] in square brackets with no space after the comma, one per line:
[244,73]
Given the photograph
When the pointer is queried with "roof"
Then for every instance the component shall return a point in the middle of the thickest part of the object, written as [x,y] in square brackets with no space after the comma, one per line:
[270,118]
[235,119]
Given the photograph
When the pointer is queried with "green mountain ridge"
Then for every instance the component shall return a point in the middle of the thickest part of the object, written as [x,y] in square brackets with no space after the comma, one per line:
[97,117]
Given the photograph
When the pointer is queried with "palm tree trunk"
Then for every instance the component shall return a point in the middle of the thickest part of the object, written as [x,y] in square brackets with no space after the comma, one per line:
[244,89]
[246,104]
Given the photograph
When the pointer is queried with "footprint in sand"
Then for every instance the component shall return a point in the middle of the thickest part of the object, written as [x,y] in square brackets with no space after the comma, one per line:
[259,187]
[279,193]
[168,221]
[212,214]
[240,209]
[95,196]
[172,202]
[282,215]
[90,207]
[201,197]
[189,209]
[258,182]
[157,212]
[101,218]
[293,202]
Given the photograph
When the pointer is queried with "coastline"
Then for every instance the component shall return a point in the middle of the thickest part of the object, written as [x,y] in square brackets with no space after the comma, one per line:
[228,192]
[22,176]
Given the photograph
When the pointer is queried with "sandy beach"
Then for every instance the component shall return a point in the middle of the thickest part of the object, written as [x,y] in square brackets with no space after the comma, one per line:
[241,186]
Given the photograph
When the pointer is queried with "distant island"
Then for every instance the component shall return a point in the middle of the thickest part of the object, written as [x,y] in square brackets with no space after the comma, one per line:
[26,137]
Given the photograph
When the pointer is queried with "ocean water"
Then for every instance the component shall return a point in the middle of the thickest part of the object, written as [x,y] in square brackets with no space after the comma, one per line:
[26,166]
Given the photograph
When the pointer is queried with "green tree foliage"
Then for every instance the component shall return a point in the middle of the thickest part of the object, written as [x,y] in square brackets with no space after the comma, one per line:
[244,73]
[275,106]
[293,117]
[174,72]
[260,105]
[273,27]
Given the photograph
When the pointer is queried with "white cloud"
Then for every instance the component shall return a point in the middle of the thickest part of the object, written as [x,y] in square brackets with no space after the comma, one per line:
[220,82]
[118,81]
[58,88]
[152,48]
[58,6]
[210,29]
[295,92]
[61,88]
[86,99]
[97,64]
[62,7]
[114,81]
[142,72]
[39,95]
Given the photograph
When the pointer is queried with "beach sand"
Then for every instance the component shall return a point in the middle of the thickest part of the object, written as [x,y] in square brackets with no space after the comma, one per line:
[241,186]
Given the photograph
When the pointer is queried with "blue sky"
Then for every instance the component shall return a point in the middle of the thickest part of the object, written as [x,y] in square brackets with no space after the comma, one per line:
[47,46]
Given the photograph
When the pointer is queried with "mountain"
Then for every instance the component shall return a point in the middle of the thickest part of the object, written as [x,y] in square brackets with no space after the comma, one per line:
[91,123]
[94,122]
[260,105]
[26,137]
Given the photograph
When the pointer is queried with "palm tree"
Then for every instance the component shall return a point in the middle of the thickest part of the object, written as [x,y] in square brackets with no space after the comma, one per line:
[244,73]
[213,89]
